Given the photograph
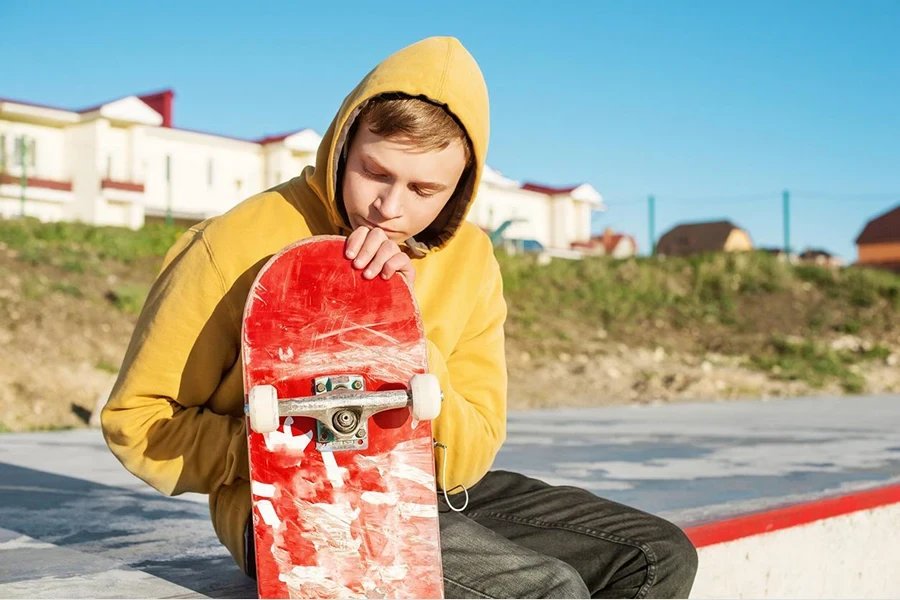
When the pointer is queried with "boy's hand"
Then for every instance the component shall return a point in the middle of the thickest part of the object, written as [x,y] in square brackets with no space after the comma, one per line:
[372,250]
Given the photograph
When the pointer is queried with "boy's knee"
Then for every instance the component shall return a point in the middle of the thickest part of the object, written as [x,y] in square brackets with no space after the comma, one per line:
[517,576]
[559,580]
[676,561]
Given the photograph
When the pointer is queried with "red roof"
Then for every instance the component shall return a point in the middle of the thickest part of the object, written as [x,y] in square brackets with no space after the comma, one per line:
[608,240]
[543,189]
[269,139]
[162,102]
[611,241]
[219,135]
[35,104]
[153,100]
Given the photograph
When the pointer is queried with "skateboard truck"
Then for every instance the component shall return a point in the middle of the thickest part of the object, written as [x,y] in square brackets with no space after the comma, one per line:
[341,407]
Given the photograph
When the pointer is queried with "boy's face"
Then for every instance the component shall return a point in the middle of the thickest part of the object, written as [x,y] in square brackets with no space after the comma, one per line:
[393,185]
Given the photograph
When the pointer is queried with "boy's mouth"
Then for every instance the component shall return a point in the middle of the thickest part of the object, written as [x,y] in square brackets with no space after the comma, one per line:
[369,223]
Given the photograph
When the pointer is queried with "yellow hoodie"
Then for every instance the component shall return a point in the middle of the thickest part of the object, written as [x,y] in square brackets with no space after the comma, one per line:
[175,417]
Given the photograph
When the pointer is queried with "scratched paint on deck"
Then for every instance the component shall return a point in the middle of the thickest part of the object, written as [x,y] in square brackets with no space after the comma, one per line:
[347,523]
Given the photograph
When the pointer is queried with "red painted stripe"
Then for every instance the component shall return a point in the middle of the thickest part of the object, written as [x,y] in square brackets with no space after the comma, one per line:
[791,516]
[38,182]
[127,186]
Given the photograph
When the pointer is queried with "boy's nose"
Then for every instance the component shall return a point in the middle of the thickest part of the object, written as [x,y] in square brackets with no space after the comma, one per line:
[390,203]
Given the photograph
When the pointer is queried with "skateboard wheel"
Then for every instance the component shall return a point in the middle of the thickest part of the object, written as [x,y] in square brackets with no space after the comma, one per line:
[426,397]
[263,404]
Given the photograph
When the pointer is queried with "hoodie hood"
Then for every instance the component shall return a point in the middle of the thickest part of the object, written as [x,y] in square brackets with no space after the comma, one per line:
[441,70]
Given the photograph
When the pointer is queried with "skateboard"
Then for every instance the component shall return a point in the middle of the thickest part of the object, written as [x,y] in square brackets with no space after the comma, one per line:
[339,404]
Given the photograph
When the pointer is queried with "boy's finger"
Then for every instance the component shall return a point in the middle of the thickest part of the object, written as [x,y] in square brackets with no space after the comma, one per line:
[408,271]
[373,241]
[396,263]
[355,241]
[386,251]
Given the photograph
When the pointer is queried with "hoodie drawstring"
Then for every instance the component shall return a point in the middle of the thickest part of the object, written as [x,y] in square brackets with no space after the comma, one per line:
[444,482]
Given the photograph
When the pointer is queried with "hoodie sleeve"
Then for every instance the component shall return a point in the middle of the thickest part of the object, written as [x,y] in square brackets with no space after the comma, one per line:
[186,339]
[472,423]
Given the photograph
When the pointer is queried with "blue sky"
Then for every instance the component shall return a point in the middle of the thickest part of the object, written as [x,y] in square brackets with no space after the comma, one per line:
[713,107]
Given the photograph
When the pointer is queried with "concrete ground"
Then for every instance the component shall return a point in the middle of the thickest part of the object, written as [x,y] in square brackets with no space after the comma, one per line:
[74,523]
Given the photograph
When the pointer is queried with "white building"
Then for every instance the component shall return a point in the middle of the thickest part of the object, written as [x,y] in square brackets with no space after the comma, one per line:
[124,163]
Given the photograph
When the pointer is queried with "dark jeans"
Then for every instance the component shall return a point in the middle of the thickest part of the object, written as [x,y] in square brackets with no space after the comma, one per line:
[522,538]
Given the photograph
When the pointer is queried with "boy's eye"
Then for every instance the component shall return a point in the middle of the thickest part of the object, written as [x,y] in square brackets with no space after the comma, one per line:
[372,173]
[423,193]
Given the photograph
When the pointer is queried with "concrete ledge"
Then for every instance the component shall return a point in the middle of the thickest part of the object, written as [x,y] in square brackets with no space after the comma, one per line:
[841,547]
[790,498]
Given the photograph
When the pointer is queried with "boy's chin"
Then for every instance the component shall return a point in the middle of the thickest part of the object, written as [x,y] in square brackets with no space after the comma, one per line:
[397,236]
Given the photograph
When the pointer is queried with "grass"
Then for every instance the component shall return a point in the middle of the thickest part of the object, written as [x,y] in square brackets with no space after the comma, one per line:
[816,363]
[705,288]
[752,301]
[76,246]
[810,362]
[597,290]
[66,288]
[129,298]
[746,299]
[33,288]
[106,366]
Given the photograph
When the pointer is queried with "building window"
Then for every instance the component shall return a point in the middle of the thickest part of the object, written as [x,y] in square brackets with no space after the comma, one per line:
[109,166]
[19,150]
[2,152]
[168,168]
[25,151]
[209,172]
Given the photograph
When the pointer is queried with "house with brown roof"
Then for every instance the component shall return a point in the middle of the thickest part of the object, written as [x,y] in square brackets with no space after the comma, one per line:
[879,243]
[820,258]
[779,253]
[697,238]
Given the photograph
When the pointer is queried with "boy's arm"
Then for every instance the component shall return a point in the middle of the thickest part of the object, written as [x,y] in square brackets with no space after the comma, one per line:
[186,339]
[472,423]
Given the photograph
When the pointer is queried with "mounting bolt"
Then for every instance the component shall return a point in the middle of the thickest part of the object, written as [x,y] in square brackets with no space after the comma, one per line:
[320,387]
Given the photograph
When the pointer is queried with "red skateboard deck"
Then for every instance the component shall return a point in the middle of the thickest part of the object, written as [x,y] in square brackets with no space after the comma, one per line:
[344,501]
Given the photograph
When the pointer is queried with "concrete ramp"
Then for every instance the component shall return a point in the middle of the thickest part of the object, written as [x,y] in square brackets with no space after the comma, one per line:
[791,498]
[77,525]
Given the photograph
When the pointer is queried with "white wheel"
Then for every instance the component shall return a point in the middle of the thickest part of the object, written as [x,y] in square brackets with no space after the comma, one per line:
[426,397]
[263,408]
